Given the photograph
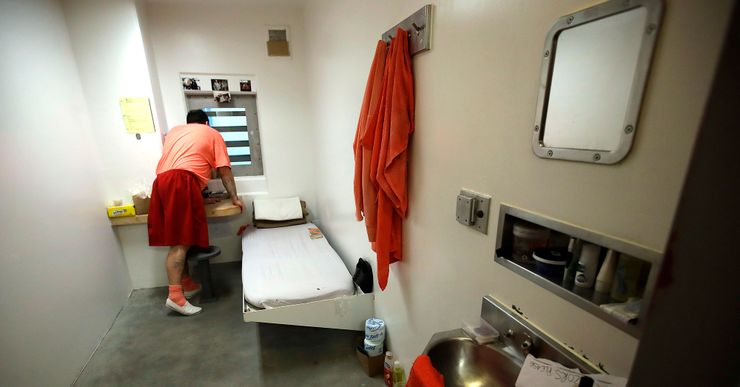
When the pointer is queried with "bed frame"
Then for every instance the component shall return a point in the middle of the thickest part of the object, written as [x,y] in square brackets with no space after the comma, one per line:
[344,312]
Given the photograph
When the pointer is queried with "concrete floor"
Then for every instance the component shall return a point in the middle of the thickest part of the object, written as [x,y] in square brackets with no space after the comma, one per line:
[149,345]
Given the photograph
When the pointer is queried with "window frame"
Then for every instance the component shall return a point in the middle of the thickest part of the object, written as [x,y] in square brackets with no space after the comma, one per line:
[196,99]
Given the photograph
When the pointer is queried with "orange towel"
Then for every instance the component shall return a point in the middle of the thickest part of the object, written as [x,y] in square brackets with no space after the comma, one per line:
[366,191]
[423,374]
[381,141]
[389,150]
[397,126]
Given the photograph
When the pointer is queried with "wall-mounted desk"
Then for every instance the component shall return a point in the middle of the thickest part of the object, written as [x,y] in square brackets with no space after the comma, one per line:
[146,264]
[214,210]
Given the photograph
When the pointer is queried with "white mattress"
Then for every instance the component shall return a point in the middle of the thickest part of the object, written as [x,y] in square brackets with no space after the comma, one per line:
[284,266]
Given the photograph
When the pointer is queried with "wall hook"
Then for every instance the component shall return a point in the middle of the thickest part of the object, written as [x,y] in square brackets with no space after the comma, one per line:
[419,26]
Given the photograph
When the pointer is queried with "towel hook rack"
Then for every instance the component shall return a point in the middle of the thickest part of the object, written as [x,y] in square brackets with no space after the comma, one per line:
[420,23]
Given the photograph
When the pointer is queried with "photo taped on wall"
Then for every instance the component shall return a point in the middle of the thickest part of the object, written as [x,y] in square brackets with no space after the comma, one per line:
[245,85]
[221,96]
[190,83]
[219,85]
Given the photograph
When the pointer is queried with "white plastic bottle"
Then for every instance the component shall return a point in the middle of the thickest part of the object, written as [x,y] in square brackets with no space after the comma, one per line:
[587,265]
[388,369]
[606,274]
[399,375]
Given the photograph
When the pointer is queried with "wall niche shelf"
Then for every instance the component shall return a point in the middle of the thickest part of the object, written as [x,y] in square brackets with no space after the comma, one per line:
[586,299]
[209,92]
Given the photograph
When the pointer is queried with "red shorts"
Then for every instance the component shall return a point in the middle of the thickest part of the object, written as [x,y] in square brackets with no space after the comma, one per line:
[177,214]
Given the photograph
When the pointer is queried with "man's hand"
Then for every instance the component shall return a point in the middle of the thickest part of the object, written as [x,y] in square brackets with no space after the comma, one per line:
[228,179]
[238,202]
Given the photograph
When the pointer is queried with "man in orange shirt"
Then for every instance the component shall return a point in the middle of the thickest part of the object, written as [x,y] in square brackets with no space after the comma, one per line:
[177,216]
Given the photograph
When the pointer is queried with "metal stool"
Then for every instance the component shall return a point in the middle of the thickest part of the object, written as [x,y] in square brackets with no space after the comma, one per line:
[202,256]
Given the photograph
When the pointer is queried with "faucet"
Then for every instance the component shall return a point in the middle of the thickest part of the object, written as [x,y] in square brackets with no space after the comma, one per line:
[526,344]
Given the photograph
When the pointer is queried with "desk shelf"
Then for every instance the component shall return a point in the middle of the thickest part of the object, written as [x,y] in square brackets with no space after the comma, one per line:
[214,210]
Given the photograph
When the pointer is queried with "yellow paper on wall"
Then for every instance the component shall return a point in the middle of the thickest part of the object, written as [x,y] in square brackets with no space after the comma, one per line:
[137,115]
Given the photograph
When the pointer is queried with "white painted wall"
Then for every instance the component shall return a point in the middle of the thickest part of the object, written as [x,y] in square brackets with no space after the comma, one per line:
[476,93]
[110,54]
[63,278]
[229,38]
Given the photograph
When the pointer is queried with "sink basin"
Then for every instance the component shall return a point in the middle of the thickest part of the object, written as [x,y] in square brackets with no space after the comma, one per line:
[462,362]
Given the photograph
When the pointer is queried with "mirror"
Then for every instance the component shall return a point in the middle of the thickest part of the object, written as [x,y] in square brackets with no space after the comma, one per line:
[594,69]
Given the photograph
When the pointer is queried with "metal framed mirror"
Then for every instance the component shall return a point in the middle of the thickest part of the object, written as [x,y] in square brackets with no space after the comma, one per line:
[594,69]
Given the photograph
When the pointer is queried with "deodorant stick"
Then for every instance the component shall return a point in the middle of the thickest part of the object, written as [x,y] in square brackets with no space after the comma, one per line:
[587,265]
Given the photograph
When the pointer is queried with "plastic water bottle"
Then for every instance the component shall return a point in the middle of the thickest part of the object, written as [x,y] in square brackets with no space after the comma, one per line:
[388,369]
[399,375]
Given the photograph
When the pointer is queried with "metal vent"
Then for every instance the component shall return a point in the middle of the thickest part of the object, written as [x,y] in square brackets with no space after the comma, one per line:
[277,43]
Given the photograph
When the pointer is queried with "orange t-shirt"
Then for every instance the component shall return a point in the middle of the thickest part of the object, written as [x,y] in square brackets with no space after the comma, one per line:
[196,148]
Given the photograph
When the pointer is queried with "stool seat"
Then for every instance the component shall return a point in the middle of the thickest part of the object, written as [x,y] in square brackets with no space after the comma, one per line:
[202,255]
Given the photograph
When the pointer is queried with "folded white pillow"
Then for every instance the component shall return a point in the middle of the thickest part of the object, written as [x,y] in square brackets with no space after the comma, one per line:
[278,209]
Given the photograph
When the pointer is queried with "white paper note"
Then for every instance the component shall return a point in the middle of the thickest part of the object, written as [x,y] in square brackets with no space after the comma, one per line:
[546,373]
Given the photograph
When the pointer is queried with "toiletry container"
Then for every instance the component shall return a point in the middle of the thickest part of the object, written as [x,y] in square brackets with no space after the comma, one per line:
[627,278]
[574,251]
[527,237]
[550,262]
[587,265]
[481,332]
[558,240]
[606,273]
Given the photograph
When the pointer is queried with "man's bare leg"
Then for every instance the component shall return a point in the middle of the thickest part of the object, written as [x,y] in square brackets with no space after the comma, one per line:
[176,264]
[176,298]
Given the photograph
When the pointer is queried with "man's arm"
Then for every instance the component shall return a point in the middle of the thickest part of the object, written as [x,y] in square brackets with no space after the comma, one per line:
[227,177]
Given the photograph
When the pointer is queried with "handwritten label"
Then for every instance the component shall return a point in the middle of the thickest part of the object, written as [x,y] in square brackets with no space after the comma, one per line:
[546,373]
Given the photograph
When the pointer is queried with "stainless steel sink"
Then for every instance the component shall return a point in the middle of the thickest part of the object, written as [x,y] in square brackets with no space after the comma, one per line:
[462,362]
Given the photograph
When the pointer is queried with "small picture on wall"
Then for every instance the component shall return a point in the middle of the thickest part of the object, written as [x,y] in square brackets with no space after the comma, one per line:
[245,85]
[222,96]
[219,85]
[191,84]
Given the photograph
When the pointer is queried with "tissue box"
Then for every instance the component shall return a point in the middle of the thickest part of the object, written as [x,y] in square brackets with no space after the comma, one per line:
[141,205]
[372,365]
[119,211]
